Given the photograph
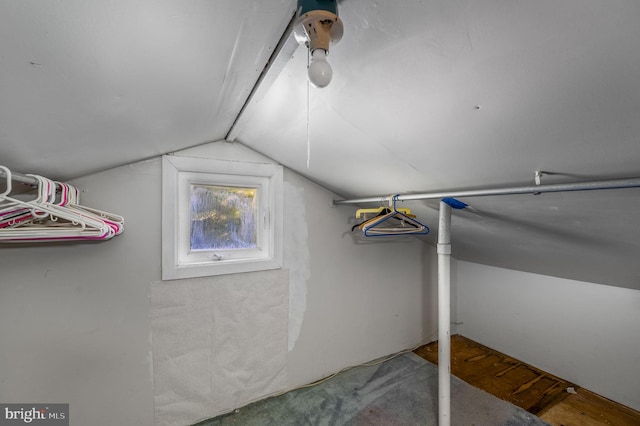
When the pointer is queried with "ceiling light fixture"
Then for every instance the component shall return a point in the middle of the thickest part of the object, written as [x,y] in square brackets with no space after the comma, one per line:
[318,26]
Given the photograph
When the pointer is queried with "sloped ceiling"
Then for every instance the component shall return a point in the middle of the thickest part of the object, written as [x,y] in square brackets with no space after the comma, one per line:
[426,95]
[90,84]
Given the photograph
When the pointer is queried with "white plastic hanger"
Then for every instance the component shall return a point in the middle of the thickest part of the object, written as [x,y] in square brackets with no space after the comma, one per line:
[54,213]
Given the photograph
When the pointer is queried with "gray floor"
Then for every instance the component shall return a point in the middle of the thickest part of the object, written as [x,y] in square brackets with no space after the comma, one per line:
[402,391]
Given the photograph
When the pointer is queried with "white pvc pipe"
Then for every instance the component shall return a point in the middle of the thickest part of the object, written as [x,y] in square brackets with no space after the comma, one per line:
[444,315]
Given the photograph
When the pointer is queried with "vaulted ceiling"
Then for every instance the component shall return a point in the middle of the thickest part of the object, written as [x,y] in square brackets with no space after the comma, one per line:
[426,95]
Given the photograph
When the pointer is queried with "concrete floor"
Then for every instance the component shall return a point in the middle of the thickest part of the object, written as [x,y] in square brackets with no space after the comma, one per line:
[401,391]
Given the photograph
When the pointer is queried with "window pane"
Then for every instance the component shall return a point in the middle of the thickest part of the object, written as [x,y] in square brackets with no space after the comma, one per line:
[223,217]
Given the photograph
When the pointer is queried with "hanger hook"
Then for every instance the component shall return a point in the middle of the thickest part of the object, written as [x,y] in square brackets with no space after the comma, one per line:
[394,198]
[7,173]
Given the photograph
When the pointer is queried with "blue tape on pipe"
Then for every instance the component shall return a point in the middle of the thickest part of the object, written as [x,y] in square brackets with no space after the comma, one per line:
[455,204]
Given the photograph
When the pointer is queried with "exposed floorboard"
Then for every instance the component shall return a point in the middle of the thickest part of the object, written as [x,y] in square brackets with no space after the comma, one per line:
[536,391]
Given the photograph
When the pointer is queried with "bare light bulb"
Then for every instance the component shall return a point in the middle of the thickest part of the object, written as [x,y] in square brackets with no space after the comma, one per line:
[320,72]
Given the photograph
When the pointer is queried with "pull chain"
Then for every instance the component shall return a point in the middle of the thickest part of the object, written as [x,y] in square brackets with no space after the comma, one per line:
[308,115]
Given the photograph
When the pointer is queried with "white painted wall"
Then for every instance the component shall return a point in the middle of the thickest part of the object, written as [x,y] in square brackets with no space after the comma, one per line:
[585,333]
[93,324]
[74,318]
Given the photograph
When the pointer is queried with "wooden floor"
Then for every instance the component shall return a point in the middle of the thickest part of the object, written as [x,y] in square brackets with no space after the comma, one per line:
[553,399]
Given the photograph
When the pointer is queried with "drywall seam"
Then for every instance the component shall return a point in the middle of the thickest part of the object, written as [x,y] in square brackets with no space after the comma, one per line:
[297,258]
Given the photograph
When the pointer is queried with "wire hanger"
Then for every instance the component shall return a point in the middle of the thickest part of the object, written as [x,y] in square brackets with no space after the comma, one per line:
[395,222]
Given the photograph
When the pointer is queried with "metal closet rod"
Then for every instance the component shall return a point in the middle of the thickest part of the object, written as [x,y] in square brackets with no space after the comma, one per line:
[533,189]
[19,177]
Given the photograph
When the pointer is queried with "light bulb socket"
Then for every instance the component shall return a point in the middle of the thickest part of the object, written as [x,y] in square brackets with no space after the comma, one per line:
[319,28]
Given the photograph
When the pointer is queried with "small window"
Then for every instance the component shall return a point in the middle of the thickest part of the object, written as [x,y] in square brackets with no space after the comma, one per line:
[220,217]
[223,217]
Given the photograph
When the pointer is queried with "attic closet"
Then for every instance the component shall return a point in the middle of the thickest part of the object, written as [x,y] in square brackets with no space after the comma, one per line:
[37,209]
[447,203]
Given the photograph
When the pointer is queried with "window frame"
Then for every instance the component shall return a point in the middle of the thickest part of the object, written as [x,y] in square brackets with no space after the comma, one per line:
[179,173]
